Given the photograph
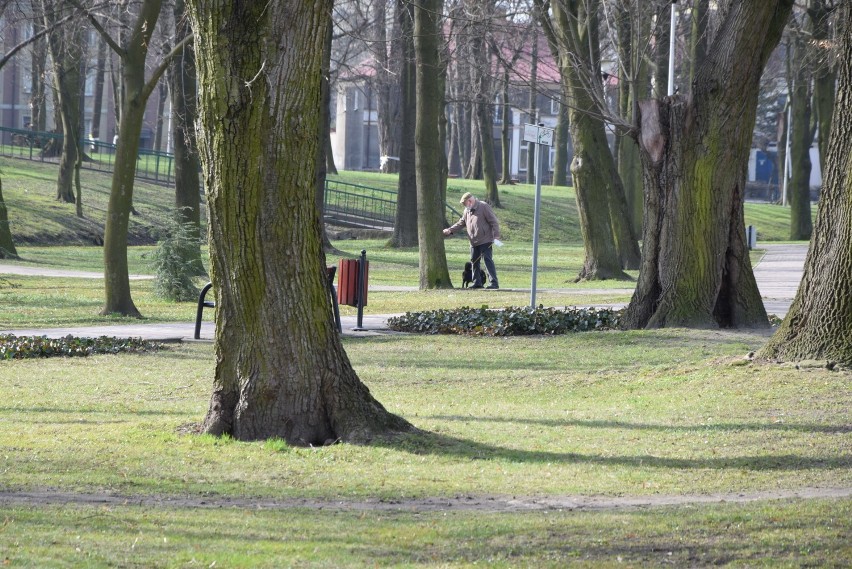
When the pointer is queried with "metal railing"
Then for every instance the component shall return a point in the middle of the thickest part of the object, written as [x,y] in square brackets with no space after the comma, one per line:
[355,205]
[151,166]
[348,205]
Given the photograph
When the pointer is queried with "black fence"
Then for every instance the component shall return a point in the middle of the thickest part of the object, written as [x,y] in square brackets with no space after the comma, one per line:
[357,206]
[347,205]
[151,165]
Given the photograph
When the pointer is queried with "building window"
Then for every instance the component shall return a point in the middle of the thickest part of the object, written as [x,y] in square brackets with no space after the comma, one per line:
[555,104]
[552,159]
[522,157]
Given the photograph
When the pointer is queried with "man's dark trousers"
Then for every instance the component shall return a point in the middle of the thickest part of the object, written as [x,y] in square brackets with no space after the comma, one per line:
[483,252]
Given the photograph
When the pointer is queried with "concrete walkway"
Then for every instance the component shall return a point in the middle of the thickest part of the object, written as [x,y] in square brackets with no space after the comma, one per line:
[778,275]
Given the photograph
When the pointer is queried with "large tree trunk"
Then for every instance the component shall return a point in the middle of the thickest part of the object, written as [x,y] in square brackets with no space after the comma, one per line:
[818,325]
[66,49]
[281,368]
[695,266]
[430,208]
[801,137]
[405,222]
[134,96]
[607,238]
[183,85]
[7,244]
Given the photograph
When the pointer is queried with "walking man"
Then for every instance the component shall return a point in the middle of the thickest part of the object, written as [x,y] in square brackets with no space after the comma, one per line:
[482,231]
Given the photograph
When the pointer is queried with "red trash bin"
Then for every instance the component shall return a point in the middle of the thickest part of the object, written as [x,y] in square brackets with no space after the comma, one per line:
[347,282]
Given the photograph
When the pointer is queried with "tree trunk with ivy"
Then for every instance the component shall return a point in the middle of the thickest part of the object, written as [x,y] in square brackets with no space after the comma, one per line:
[818,325]
[281,370]
[695,148]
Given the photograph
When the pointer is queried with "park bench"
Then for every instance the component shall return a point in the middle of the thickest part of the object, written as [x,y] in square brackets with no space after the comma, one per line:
[332,293]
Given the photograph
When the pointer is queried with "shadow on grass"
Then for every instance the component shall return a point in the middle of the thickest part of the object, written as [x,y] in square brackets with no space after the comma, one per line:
[571,352]
[797,427]
[27,411]
[426,443]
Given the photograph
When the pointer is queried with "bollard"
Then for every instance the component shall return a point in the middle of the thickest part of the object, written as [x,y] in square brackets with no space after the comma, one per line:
[751,237]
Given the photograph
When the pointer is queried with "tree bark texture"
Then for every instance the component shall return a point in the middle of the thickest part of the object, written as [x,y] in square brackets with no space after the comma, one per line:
[801,137]
[98,103]
[562,139]
[820,13]
[7,244]
[405,221]
[608,241]
[387,87]
[66,44]
[633,29]
[323,130]
[662,33]
[483,96]
[281,370]
[505,145]
[819,323]
[38,101]
[532,109]
[134,96]
[698,36]
[695,266]
[430,97]
[183,86]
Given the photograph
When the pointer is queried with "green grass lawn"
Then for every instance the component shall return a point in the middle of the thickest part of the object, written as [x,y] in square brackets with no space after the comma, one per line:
[599,414]
[35,217]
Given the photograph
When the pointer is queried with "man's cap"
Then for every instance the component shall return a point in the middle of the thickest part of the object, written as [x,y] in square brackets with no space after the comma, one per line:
[465,197]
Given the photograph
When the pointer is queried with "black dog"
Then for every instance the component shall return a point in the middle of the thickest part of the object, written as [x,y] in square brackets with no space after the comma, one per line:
[467,275]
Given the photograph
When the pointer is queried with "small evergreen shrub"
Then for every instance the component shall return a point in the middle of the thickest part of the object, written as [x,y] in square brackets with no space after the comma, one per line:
[513,321]
[174,259]
[24,347]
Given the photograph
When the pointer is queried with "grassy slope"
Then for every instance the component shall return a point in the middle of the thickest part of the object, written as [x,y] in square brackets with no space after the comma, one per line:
[37,218]
[559,220]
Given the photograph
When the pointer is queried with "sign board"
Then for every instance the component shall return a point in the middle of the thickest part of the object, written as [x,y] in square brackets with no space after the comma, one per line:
[538,134]
[531,133]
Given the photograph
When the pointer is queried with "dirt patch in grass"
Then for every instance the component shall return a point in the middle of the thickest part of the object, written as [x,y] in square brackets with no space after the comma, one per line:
[485,504]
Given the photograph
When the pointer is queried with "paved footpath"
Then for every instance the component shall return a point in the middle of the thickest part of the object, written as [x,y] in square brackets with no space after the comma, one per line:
[778,275]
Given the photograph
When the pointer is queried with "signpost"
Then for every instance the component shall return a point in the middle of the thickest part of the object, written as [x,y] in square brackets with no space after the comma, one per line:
[540,136]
